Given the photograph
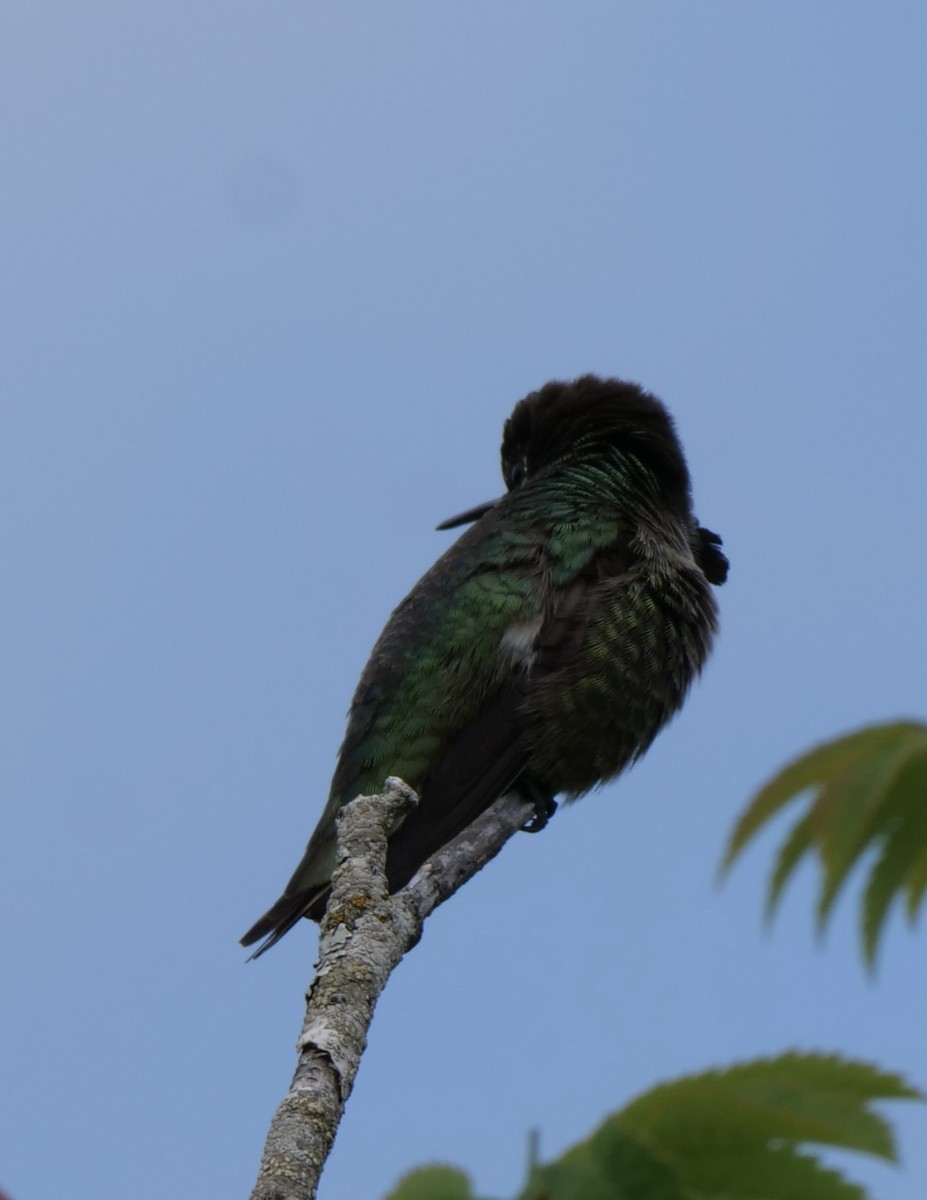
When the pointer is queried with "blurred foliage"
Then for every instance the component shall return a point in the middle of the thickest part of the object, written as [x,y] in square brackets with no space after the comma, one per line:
[433,1183]
[743,1133]
[736,1134]
[866,791]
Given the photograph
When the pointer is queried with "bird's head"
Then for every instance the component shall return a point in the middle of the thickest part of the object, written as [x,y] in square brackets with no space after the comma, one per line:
[590,419]
[564,423]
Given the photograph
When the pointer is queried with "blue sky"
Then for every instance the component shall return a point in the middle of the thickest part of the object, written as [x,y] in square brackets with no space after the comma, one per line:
[273,275]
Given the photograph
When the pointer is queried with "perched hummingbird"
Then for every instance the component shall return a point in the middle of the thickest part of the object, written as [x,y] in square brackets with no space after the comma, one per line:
[546,648]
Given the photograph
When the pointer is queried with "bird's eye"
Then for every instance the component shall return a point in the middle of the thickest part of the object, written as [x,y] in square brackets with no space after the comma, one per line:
[518,473]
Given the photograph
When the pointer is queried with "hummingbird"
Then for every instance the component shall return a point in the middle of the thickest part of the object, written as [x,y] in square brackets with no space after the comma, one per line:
[545,649]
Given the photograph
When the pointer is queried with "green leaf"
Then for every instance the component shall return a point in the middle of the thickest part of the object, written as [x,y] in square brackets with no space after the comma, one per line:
[610,1165]
[808,771]
[855,804]
[917,885]
[433,1183]
[790,854]
[912,802]
[775,1173]
[570,1181]
[900,865]
[735,1134]
[868,792]
[796,1097]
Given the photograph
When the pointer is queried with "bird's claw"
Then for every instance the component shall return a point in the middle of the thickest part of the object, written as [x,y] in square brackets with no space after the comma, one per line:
[544,809]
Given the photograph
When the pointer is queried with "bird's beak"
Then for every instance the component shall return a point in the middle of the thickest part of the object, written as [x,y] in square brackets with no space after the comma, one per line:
[468,517]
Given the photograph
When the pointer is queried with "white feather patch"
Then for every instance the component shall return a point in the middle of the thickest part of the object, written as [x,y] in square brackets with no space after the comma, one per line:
[518,641]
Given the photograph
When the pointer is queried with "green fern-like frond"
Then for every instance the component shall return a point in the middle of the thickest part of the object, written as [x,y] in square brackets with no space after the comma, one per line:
[866,791]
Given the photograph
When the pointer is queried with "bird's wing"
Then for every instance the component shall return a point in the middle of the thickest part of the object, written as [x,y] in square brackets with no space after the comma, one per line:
[489,748]
[434,669]
[442,700]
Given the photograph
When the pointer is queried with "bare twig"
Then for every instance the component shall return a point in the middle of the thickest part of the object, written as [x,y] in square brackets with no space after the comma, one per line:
[365,934]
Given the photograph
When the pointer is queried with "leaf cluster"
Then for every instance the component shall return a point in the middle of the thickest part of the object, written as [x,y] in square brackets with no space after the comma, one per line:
[867,791]
[735,1134]
[744,1133]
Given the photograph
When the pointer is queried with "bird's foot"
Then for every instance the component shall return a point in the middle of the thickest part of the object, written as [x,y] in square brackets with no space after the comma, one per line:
[544,808]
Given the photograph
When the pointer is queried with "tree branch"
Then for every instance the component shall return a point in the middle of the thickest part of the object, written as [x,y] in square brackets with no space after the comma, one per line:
[364,935]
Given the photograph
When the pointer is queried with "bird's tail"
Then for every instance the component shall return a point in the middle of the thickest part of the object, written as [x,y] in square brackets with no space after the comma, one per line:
[282,916]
